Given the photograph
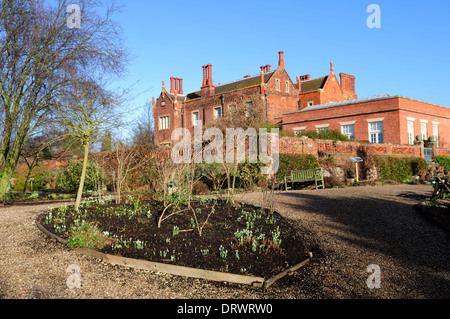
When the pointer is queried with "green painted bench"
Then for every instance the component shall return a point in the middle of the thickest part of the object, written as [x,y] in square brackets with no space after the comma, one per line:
[311,175]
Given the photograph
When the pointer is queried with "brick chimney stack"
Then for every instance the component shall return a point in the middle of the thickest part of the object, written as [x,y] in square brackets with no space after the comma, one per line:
[262,74]
[204,75]
[268,68]
[210,82]
[348,86]
[180,86]
[281,59]
[172,87]
[208,86]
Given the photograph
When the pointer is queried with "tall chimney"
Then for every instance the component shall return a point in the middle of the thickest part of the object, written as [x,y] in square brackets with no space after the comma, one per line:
[299,84]
[153,101]
[181,86]
[204,75]
[210,82]
[281,59]
[262,74]
[172,88]
[268,68]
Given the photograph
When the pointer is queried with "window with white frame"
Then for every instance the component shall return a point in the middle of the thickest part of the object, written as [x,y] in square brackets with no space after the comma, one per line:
[411,137]
[195,118]
[164,122]
[423,129]
[310,103]
[322,127]
[277,83]
[376,132]
[217,112]
[436,132]
[287,86]
[349,131]
[299,130]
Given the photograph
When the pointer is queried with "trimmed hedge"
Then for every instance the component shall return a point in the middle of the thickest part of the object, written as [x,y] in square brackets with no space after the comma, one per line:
[399,168]
[443,161]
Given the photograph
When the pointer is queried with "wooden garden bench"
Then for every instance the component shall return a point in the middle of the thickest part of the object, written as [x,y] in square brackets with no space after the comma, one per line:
[311,175]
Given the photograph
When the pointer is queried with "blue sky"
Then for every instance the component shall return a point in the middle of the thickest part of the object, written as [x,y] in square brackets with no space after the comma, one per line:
[409,55]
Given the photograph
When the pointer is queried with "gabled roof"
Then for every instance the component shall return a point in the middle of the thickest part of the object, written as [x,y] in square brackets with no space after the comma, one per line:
[313,85]
[235,85]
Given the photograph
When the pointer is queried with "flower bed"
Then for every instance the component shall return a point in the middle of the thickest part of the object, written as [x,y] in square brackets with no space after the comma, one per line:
[238,239]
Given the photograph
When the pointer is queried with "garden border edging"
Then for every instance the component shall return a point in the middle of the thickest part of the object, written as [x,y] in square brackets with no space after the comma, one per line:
[253,281]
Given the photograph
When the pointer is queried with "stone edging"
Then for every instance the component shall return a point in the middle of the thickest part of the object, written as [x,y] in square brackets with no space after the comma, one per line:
[254,281]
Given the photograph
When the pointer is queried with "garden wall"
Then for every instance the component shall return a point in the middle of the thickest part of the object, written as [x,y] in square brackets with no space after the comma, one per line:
[350,149]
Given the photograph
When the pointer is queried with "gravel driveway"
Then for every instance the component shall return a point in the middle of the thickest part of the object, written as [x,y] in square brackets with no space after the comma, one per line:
[346,229]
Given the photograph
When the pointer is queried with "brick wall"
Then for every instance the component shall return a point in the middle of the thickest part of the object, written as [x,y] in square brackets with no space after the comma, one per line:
[352,149]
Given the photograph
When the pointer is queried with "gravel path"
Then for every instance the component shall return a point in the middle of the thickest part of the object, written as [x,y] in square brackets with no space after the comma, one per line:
[346,229]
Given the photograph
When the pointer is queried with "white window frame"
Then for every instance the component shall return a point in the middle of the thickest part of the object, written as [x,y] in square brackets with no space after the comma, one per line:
[310,103]
[423,129]
[299,130]
[164,122]
[348,134]
[217,112]
[287,86]
[410,129]
[374,134]
[277,85]
[322,127]
[195,121]
[436,131]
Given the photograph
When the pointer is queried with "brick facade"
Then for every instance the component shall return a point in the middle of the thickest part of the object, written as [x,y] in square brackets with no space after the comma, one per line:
[273,89]
[393,111]
[306,104]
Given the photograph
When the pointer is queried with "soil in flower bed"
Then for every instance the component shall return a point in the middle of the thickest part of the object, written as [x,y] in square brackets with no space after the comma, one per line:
[240,239]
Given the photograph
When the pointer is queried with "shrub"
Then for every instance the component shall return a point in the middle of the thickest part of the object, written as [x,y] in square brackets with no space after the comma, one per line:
[69,178]
[443,161]
[295,162]
[87,235]
[200,188]
[399,168]
[334,135]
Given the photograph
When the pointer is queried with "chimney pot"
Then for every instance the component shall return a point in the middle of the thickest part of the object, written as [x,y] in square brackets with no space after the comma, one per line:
[268,68]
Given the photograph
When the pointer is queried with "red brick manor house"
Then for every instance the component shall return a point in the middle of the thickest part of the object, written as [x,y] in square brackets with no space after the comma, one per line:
[323,103]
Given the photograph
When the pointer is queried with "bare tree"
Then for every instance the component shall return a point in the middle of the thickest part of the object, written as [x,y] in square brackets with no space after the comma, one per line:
[87,110]
[39,54]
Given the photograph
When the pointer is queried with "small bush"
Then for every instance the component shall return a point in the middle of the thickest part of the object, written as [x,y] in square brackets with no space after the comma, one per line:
[69,179]
[443,161]
[200,188]
[87,236]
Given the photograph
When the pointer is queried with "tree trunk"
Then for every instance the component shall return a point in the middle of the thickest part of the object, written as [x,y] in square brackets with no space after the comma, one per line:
[83,176]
